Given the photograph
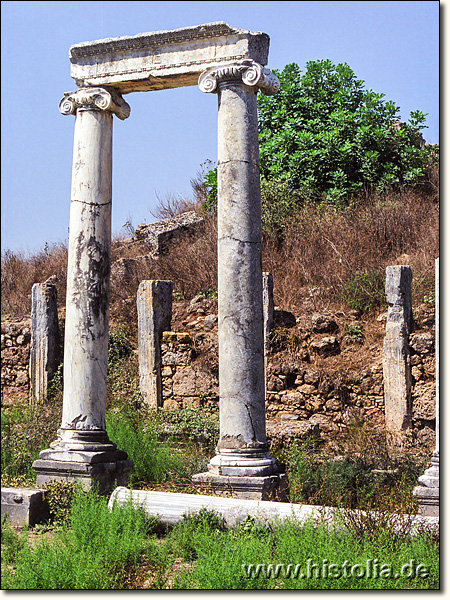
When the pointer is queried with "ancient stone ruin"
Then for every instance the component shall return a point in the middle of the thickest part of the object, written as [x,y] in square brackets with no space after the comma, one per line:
[227,62]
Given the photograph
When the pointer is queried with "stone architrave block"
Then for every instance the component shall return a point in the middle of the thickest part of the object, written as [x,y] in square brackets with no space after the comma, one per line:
[396,363]
[164,59]
[44,347]
[154,304]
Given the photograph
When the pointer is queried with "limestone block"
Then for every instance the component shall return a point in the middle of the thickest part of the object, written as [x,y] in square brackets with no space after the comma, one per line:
[323,324]
[164,59]
[154,304]
[422,343]
[398,290]
[210,322]
[24,506]
[396,363]
[326,346]
[184,382]
[44,347]
[161,235]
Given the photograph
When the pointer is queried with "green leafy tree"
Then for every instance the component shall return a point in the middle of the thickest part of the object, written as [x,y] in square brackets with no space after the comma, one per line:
[325,137]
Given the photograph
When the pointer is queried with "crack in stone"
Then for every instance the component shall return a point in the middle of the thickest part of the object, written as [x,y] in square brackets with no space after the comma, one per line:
[230,237]
[92,203]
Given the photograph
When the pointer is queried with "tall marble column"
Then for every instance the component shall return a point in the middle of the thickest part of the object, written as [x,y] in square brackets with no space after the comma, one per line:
[83,448]
[242,455]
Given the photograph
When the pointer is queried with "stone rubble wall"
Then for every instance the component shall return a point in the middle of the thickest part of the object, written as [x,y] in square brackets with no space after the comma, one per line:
[15,353]
[301,397]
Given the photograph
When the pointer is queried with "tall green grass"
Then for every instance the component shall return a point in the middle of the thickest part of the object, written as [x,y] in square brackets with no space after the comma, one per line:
[100,548]
[156,458]
[93,551]
[217,559]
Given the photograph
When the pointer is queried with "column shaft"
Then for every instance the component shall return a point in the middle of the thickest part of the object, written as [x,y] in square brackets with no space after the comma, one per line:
[241,355]
[87,301]
[83,450]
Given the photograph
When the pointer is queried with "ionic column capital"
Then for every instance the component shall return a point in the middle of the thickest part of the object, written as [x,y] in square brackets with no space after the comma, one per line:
[94,98]
[247,71]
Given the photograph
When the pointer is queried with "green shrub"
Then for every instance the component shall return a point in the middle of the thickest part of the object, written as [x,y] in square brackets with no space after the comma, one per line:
[119,347]
[25,431]
[60,496]
[354,331]
[364,291]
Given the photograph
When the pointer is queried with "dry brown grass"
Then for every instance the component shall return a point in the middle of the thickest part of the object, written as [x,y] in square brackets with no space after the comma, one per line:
[324,249]
[19,272]
[320,252]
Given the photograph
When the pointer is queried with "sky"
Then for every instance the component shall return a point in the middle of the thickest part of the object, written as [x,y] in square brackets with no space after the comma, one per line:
[170,135]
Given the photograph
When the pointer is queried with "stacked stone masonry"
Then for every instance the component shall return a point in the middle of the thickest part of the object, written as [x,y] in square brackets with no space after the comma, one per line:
[15,348]
[300,395]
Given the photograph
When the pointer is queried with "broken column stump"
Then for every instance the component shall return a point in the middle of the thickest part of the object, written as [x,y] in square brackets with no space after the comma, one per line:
[45,340]
[396,363]
[154,306]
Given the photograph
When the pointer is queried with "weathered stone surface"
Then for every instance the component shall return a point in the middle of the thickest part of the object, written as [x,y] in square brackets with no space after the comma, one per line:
[164,59]
[210,322]
[323,324]
[125,270]
[154,304]
[159,236]
[24,507]
[268,488]
[326,346]
[170,509]
[422,343]
[398,293]
[428,500]
[396,364]
[83,449]
[268,307]
[424,401]
[242,449]
[44,347]
[324,423]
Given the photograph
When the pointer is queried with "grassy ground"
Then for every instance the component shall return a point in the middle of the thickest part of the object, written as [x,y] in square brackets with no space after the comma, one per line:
[86,546]
[94,548]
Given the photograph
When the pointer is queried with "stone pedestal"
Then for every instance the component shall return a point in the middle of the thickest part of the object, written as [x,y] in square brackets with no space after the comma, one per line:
[242,461]
[271,487]
[83,449]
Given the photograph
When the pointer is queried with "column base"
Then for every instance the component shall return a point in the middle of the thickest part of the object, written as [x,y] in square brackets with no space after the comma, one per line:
[427,493]
[270,487]
[243,463]
[88,457]
[428,500]
[430,478]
